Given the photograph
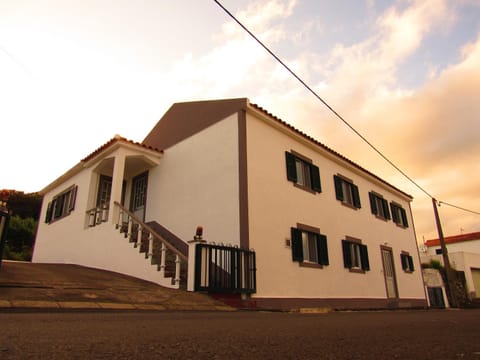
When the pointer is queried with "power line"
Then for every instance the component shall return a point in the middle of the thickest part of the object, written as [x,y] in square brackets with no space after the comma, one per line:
[458,207]
[314,93]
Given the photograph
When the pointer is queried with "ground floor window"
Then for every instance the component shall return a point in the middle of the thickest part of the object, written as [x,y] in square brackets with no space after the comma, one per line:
[309,246]
[355,255]
[62,204]
[407,262]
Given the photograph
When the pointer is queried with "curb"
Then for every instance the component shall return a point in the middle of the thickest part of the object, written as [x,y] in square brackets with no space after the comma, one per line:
[84,305]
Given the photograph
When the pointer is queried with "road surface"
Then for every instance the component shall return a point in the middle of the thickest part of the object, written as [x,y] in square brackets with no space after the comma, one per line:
[447,334]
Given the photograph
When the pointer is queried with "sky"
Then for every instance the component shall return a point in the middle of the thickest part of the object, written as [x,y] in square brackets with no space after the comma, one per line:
[404,73]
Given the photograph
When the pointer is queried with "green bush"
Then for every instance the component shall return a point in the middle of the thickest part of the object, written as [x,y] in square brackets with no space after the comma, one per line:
[20,239]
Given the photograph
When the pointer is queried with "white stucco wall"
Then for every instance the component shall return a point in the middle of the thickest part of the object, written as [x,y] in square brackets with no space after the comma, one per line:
[461,261]
[69,240]
[472,246]
[197,183]
[276,205]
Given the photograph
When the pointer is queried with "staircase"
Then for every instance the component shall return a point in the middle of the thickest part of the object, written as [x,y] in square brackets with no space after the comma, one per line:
[162,250]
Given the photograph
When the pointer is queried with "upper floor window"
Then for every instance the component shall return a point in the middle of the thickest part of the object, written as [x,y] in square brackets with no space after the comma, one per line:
[309,246]
[355,255]
[407,262]
[399,215]
[346,191]
[302,172]
[379,206]
[61,204]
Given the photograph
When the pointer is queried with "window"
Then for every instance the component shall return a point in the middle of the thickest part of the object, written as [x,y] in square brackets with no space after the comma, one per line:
[309,246]
[379,206]
[62,204]
[407,262]
[399,215]
[355,256]
[302,172]
[438,251]
[346,192]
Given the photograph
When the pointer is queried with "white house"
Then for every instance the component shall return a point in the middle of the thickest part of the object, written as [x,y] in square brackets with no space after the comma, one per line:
[464,255]
[323,230]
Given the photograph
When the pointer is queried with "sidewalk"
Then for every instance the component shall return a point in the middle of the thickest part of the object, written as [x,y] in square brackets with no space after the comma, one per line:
[61,286]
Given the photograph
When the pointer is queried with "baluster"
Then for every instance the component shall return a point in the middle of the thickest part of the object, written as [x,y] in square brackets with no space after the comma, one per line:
[119,220]
[163,258]
[177,270]
[150,246]
[91,218]
[129,228]
[139,237]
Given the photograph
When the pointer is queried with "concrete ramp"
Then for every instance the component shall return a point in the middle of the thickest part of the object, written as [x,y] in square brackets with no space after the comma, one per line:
[26,285]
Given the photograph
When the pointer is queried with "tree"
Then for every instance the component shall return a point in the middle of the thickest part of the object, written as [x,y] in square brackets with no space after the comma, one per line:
[20,238]
[24,205]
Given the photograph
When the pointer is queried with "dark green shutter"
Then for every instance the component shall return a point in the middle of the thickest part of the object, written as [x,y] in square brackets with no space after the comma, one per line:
[315,177]
[385,209]
[291,167]
[364,257]
[373,203]
[404,217]
[356,196]
[403,259]
[297,248]
[394,209]
[347,257]
[410,263]
[73,196]
[322,249]
[338,187]
[48,216]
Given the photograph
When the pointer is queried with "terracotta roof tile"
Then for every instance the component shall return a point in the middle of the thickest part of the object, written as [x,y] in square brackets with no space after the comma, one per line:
[112,141]
[454,239]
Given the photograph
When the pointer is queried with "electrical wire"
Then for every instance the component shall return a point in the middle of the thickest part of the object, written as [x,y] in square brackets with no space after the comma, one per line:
[314,93]
[458,207]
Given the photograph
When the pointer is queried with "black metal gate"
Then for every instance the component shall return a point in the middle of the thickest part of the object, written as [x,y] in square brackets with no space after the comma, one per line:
[224,269]
[435,295]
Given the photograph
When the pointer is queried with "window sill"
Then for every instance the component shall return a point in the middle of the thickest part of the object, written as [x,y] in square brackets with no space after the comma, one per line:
[351,206]
[382,218]
[58,218]
[401,226]
[310,265]
[305,188]
[356,270]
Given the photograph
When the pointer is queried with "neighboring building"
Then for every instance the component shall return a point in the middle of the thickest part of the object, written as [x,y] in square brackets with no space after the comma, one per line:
[325,231]
[464,255]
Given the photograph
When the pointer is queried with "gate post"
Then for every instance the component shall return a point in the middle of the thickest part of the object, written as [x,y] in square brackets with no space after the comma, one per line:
[192,245]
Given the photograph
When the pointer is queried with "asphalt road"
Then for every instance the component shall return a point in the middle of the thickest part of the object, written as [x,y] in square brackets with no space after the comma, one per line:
[451,334]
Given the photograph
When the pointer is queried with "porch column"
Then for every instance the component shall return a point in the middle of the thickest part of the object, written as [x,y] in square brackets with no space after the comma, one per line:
[117,183]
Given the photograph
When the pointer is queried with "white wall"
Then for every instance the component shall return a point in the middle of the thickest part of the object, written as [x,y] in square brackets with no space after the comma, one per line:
[276,205]
[461,261]
[197,183]
[69,240]
[472,246]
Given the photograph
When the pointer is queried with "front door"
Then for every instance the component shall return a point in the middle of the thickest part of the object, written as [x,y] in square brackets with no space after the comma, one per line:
[389,272]
[139,195]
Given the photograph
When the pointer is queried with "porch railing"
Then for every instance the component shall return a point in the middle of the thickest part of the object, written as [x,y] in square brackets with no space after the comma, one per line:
[170,261]
[97,215]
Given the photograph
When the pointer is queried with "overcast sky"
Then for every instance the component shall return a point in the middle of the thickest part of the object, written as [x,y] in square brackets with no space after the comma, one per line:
[406,74]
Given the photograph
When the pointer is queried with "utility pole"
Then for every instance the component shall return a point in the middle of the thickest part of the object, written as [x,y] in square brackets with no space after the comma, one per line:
[446,263]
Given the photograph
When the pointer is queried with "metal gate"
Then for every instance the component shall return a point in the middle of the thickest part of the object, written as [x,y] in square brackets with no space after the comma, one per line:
[224,269]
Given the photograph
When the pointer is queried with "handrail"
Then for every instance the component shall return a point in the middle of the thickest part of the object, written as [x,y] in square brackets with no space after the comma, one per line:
[149,229]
